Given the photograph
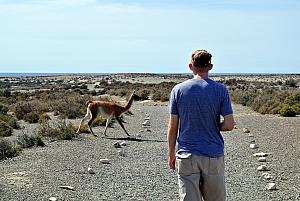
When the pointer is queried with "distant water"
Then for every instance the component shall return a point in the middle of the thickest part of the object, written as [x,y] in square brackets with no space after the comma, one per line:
[97,74]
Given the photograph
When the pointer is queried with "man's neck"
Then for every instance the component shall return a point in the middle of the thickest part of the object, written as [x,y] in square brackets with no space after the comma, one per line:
[201,76]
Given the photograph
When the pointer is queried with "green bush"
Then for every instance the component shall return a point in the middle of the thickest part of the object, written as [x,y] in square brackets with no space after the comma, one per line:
[3,109]
[60,131]
[7,150]
[12,121]
[31,117]
[287,111]
[84,129]
[5,129]
[99,121]
[44,118]
[38,141]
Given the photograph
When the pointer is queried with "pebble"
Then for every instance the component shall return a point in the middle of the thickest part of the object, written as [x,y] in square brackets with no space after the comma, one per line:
[250,135]
[246,130]
[253,146]
[90,170]
[262,159]
[117,145]
[146,123]
[147,118]
[104,161]
[262,168]
[139,135]
[271,186]
[67,188]
[267,175]
[123,143]
[252,141]
[52,198]
[261,154]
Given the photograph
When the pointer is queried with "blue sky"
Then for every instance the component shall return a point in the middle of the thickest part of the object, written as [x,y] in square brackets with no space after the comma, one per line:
[110,36]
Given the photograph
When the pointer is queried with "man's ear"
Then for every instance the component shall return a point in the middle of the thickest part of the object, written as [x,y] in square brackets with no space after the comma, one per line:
[210,66]
[191,66]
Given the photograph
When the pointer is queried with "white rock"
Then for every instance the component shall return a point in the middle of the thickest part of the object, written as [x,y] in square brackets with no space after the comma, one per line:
[271,186]
[262,159]
[262,168]
[147,118]
[104,161]
[252,141]
[140,131]
[52,198]
[246,130]
[90,170]
[146,123]
[250,135]
[123,143]
[267,175]
[261,154]
[67,187]
[253,146]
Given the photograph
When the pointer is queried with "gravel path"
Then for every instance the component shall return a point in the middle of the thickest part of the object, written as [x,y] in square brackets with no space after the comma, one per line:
[142,174]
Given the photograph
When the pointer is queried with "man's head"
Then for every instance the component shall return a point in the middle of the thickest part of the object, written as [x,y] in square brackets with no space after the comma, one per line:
[201,61]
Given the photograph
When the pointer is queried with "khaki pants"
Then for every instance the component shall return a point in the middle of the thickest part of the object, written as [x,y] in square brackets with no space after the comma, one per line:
[200,178]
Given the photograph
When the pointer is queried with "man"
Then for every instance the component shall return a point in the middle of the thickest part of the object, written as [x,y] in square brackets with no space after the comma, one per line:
[195,109]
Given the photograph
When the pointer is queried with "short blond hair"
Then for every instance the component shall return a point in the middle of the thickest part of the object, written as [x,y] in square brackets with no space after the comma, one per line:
[201,59]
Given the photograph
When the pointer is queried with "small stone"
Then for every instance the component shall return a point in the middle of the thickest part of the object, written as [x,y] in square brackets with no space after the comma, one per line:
[67,188]
[235,127]
[148,130]
[250,135]
[155,104]
[123,143]
[140,131]
[146,123]
[267,176]
[52,198]
[271,186]
[253,146]
[246,130]
[90,170]
[147,118]
[252,141]
[117,145]
[262,168]
[261,154]
[104,161]
[262,159]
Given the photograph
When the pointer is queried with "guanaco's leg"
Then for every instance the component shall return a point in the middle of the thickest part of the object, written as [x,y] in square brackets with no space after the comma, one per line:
[121,124]
[107,123]
[87,116]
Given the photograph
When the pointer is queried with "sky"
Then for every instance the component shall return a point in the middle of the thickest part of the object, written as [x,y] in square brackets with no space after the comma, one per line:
[148,36]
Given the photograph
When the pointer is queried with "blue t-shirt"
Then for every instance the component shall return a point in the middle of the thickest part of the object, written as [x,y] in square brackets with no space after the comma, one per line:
[199,104]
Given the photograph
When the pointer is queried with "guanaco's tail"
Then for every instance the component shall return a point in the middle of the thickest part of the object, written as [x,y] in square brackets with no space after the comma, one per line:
[88,102]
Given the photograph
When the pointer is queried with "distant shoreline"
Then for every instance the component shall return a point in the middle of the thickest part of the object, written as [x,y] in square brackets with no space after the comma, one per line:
[157,74]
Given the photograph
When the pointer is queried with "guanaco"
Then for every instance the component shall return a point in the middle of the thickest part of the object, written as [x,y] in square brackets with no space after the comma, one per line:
[108,110]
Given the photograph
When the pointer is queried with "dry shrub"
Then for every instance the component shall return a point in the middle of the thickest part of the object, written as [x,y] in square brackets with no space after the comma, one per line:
[5,129]
[8,150]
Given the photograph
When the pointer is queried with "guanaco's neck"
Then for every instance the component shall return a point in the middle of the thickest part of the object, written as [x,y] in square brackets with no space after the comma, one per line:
[129,103]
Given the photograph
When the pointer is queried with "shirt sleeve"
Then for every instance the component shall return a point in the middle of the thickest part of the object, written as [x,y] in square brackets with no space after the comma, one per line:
[226,107]
[173,103]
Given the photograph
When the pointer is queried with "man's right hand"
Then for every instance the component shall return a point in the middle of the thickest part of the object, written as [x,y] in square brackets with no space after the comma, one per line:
[172,161]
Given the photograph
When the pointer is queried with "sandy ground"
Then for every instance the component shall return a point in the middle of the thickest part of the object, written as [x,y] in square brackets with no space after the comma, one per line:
[143,174]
